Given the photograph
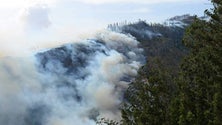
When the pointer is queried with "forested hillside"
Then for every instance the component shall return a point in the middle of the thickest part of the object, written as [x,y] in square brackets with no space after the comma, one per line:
[163,41]
[170,90]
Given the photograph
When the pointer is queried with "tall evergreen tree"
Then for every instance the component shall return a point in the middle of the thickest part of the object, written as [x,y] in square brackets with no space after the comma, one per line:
[149,97]
[201,72]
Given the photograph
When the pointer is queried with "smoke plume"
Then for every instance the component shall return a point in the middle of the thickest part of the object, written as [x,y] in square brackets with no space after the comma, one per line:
[74,84]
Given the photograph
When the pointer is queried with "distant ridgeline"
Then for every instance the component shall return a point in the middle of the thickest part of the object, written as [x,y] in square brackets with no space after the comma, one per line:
[162,41]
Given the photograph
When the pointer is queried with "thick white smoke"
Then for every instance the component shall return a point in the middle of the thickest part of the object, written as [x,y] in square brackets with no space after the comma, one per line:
[71,85]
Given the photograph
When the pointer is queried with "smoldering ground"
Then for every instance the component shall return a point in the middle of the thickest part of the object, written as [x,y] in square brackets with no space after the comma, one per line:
[70,85]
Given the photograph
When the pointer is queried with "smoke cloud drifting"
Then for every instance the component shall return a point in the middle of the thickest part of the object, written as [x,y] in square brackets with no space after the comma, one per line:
[70,85]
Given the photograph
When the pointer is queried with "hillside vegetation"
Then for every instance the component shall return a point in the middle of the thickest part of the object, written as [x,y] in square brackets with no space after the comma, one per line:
[163,41]
[181,83]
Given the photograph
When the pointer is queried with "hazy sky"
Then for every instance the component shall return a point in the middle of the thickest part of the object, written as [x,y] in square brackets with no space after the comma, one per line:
[27,25]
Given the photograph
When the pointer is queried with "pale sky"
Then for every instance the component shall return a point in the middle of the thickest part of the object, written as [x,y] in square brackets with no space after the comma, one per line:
[27,25]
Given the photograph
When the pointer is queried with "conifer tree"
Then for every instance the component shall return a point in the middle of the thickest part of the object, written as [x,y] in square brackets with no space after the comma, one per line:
[149,97]
[201,71]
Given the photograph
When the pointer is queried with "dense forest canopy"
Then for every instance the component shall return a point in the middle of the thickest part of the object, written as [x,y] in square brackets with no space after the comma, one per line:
[170,90]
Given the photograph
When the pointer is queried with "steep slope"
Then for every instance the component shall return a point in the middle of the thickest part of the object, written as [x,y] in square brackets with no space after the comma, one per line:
[94,72]
[78,82]
[163,41]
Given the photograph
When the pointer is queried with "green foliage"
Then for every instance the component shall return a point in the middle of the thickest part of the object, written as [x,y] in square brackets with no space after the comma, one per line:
[195,97]
[149,97]
[104,121]
[201,72]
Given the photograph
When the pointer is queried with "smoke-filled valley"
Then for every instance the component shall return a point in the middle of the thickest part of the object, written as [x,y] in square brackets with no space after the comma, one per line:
[78,83]
[110,62]
[71,84]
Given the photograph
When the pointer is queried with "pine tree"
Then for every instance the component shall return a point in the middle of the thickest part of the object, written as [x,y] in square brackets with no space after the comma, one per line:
[149,97]
[201,72]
